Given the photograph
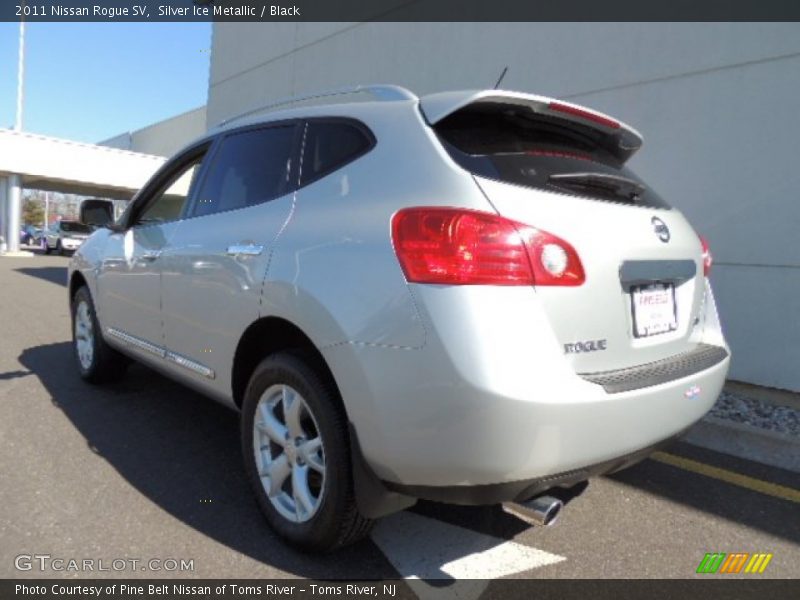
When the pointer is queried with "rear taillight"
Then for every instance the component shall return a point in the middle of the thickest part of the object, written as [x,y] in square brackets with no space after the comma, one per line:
[707,258]
[466,247]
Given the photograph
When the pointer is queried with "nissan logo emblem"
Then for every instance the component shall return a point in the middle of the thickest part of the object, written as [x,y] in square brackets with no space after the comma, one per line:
[661,229]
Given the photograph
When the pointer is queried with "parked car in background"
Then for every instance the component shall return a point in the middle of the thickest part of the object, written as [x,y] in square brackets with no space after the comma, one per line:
[467,297]
[38,238]
[29,234]
[65,236]
[41,241]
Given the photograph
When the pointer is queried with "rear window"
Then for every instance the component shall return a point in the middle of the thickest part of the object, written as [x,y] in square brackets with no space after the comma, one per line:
[75,227]
[516,145]
[330,145]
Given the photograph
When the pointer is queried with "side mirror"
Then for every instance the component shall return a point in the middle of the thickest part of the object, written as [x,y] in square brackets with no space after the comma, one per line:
[96,212]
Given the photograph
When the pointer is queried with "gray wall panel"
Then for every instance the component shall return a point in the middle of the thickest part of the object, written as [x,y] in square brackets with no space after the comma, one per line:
[716,102]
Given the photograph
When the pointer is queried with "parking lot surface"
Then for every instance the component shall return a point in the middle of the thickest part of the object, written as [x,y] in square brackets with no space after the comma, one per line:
[146,469]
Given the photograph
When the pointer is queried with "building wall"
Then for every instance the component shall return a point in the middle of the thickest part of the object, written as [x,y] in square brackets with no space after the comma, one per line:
[165,137]
[717,104]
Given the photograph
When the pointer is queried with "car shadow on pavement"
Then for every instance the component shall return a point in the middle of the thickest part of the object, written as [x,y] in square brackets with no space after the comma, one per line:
[181,451]
[14,375]
[57,275]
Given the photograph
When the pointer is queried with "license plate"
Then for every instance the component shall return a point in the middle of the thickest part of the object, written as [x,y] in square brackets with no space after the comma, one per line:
[653,309]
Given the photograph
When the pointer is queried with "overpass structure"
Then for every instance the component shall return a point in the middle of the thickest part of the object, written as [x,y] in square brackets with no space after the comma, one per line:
[47,163]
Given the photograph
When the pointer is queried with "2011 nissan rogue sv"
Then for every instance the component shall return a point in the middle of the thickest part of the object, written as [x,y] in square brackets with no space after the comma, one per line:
[465,297]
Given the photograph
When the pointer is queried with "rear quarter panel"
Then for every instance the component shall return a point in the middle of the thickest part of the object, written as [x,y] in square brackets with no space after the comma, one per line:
[334,272]
[336,253]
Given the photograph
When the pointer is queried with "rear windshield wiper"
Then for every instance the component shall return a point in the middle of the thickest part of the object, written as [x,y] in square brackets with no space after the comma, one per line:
[615,184]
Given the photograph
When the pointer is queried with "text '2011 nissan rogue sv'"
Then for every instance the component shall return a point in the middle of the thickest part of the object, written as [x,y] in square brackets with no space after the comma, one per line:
[465,297]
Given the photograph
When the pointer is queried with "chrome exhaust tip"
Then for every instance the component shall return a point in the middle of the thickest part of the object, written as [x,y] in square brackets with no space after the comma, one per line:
[541,511]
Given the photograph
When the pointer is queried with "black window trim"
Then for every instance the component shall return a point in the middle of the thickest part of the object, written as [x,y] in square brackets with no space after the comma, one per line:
[163,177]
[361,126]
[289,186]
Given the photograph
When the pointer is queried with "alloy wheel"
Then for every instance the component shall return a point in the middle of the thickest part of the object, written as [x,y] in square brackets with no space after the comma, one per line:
[289,453]
[84,335]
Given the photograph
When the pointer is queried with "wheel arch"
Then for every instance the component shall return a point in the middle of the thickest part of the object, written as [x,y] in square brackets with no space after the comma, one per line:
[76,282]
[266,336]
[274,334]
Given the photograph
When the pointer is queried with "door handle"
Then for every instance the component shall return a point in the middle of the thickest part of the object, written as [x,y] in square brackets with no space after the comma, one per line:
[245,250]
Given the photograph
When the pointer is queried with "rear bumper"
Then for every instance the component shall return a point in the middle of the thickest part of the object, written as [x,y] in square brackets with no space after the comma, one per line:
[520,491]
[681,366]
[490,401]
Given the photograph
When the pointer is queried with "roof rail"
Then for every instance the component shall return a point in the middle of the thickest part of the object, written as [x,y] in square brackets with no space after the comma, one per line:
[381,92]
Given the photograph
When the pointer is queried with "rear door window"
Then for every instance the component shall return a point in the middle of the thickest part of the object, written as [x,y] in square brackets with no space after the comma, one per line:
[516,145]
[250,167]
[329,145]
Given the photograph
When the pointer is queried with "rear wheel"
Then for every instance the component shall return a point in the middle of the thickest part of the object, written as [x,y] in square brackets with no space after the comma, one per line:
[297,455]
[97,361]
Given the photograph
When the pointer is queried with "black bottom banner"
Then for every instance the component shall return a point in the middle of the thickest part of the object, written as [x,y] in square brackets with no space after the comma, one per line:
[469,589]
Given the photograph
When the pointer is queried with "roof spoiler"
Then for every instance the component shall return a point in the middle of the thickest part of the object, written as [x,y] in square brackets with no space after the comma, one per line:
[621,139]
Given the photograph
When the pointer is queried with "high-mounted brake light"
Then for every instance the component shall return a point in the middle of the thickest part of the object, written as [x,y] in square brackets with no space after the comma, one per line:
[707,258]
[558,154]
[583,114]
[466,247]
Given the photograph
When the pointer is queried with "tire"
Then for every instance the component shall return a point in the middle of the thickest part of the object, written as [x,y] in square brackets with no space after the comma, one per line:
[59,248]
[97,361]
[329,517]
[46,247]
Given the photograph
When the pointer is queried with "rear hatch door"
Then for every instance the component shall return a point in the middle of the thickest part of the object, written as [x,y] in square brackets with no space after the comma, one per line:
[561,168]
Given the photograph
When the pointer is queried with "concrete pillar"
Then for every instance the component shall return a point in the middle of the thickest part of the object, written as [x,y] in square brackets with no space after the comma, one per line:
[3,211]
[13,212]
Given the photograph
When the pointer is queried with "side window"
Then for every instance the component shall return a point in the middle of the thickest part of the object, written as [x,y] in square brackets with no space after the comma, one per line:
[249,168]
[330,145]
[167,205]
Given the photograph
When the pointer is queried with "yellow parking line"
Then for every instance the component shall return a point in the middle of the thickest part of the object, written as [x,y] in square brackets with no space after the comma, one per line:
[750,483]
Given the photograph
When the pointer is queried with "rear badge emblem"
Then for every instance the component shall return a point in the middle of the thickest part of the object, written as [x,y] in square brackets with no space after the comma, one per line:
[661,229]
[587,346]
[692,393]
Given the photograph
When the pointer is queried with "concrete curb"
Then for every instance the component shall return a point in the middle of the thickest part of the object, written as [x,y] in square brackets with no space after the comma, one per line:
[744,441]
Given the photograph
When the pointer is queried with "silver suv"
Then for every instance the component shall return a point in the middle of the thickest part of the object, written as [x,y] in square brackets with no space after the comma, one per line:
[465,297]
[65,236]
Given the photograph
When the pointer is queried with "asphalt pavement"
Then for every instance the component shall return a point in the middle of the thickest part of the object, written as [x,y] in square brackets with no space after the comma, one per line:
[146,469]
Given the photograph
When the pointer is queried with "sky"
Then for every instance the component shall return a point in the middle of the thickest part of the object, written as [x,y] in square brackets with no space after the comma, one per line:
[91,81]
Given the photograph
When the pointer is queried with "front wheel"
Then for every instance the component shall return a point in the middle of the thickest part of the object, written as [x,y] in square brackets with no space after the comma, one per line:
[97,361]
[297,455]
